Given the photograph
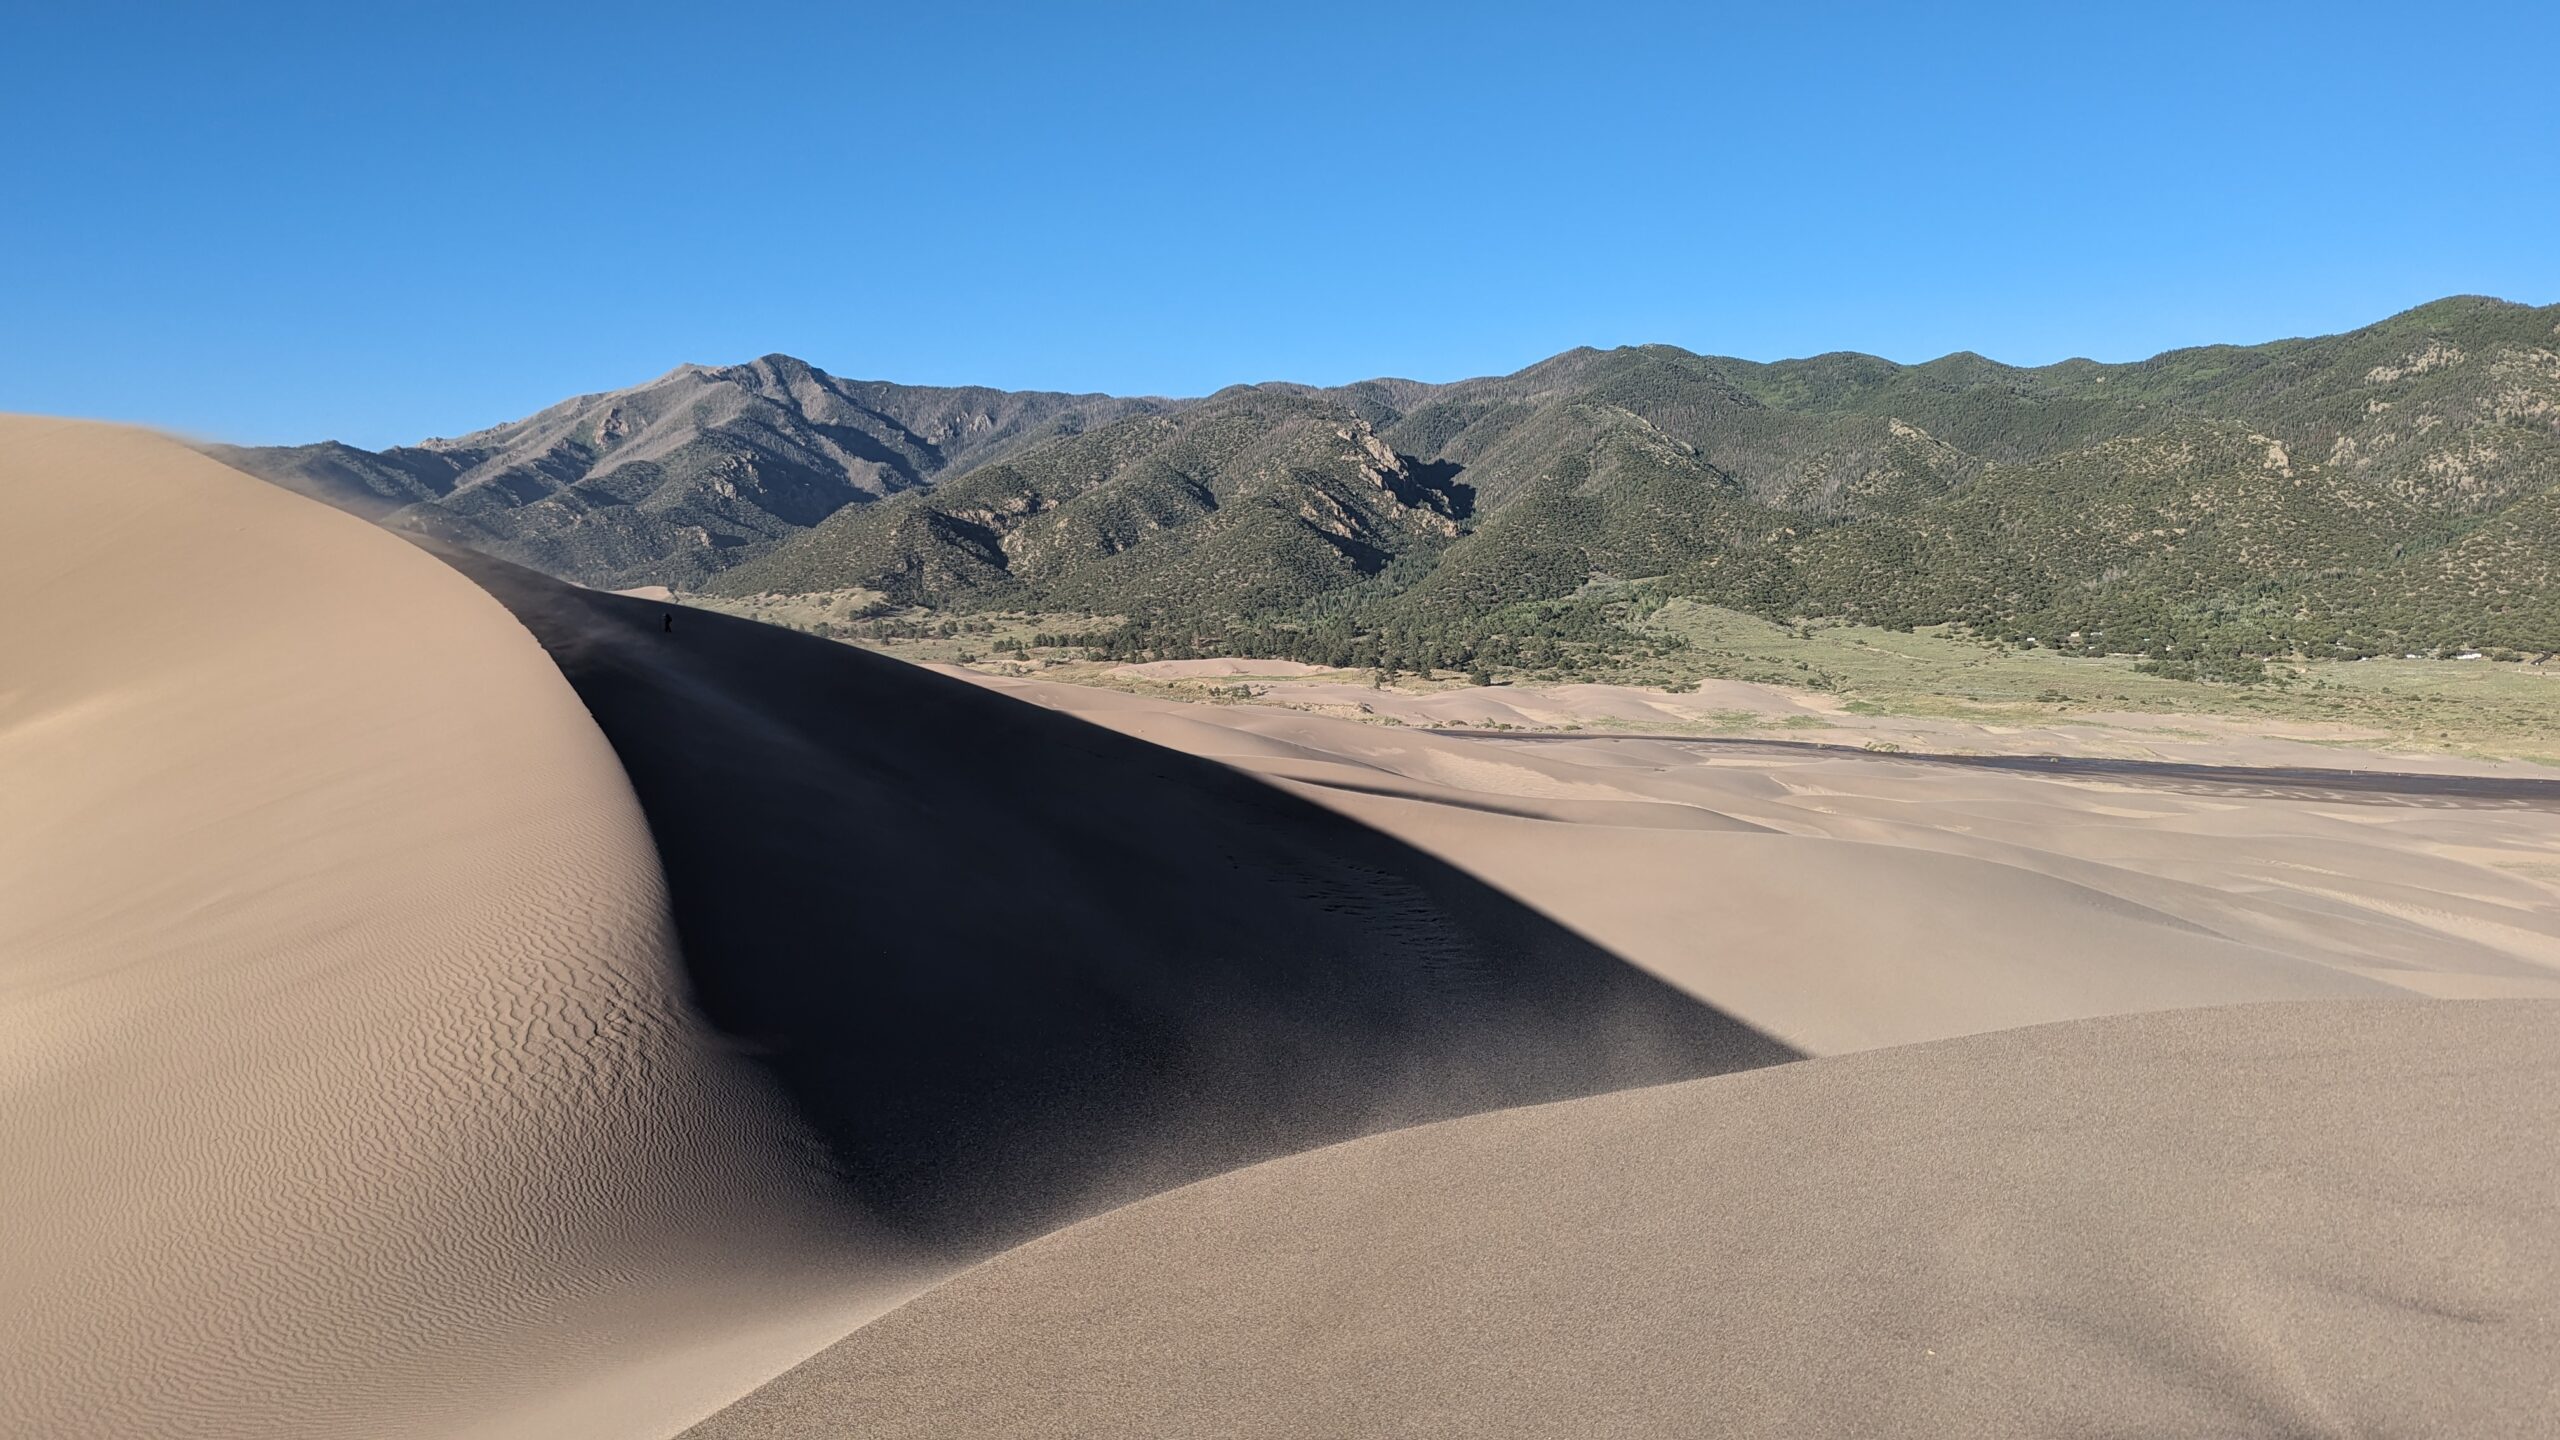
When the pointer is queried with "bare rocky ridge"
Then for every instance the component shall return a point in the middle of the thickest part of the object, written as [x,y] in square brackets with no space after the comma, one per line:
[663,480]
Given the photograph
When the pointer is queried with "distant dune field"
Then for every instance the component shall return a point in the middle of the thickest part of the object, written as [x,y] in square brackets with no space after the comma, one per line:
[1842,901]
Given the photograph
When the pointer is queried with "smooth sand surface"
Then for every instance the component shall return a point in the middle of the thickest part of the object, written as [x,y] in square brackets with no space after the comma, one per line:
[345,1087]
[1841,900]
[2333,1218]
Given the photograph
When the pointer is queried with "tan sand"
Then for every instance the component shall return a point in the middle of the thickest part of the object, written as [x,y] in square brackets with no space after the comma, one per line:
[344,1086]
[2324,1219]
[1017,968]
[1842,901]
[1219,668]
[1741,706]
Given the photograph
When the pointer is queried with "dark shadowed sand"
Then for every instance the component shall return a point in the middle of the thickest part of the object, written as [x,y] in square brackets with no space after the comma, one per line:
[1015,967]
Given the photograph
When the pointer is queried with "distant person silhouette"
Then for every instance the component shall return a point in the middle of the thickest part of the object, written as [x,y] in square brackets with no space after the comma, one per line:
[669,616]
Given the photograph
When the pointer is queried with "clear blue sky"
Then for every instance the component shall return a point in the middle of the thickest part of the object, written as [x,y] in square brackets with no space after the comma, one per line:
[385,221]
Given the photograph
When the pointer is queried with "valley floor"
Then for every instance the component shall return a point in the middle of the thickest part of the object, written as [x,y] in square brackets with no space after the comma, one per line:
[1725,673]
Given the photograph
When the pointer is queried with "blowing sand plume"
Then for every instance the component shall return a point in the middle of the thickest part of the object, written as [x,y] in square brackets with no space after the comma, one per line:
[1015,967]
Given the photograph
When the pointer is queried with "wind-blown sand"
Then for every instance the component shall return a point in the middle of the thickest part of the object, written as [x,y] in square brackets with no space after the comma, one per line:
[2324,1219]
[344,1084]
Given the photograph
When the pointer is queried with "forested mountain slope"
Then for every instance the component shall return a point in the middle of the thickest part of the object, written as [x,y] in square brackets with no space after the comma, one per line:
[2390,487]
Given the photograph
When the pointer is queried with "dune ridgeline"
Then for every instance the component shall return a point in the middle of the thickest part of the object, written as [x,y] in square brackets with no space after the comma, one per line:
[366,1076]
[436,999]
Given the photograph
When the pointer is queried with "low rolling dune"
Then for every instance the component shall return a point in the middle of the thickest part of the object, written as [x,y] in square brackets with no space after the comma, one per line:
[2172,1221]
[2330,1218]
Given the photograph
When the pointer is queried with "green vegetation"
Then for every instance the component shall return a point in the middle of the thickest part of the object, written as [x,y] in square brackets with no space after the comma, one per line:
[2501,707]
[2485,706]
[2392,491]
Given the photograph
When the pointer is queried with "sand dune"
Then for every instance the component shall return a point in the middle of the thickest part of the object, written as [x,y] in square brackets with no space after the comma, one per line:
[357,1078]
[2166,1224]
[1017,968]
[404,1031]
[345,1086]
[2318,1219]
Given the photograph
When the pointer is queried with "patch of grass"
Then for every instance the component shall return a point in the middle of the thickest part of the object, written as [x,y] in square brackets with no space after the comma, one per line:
[2480,708]
[2477,707]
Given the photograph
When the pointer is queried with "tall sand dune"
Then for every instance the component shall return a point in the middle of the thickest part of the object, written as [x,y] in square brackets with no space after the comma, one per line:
[346,1086]
[2325,1218]
[1016,968]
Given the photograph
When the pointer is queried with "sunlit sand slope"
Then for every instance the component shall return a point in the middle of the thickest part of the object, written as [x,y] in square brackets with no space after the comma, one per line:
[344,1084]
[2328,1218]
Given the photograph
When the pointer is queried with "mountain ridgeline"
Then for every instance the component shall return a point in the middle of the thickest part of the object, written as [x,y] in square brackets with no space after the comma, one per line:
[2393,488]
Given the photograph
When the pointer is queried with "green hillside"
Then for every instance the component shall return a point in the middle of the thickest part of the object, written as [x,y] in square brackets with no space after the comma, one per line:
[2396,488]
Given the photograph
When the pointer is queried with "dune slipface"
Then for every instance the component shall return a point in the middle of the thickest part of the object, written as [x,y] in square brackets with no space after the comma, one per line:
[345,1086]
[1016,968]
[2316,1218]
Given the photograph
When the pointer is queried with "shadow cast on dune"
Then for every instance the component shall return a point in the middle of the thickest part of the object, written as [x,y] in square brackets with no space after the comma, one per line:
[1014,968]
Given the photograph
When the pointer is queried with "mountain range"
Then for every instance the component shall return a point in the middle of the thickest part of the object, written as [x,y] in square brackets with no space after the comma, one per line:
[2396,486]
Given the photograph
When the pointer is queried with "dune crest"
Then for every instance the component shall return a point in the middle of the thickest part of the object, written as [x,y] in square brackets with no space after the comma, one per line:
[1016,968]
[345,1084]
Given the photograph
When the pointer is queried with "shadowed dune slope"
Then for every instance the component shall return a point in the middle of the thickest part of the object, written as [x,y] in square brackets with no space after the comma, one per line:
[346,1082]
[2315,1218]
[1016,968]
